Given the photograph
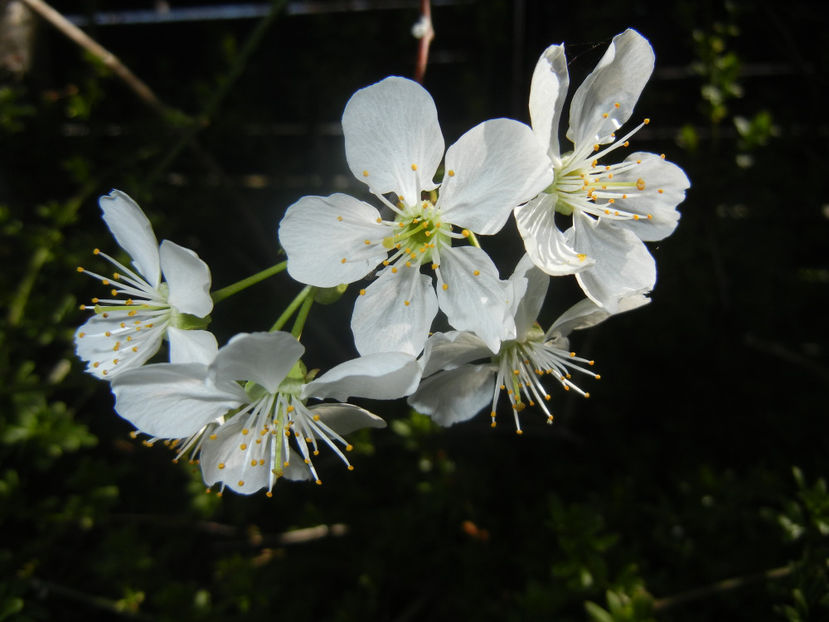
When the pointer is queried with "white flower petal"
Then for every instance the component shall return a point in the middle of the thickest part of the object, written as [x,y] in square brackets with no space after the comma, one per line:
[393,141]
[452,349]
[548,91]
[529,291]
[383,322]
[495,166]
[456,395]
[543,241]
[102,341]
[317,233]
[665,186]
[345,418]
[618,78]
[133,232]
[587,313]
[265,358]
[236,472]
[171,401]
[380,376]
[192,346]
[188,278]
[475,299]
[624,266]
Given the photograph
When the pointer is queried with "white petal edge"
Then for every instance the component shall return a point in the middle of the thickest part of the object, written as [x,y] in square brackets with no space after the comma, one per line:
[393,140]
[529,291]
[379,376]
[132,230]
[192,346]
[383,322]
[494,167]
[544,242]
[456,395]
[548,90]
[265,358]
[188,279]
[451,350]
[475,302]
[587,313]
[317,233]
[171,401]
[619,77]
[346,418]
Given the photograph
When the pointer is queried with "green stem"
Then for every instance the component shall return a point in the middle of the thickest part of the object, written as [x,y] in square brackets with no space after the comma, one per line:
[299,322]
[473,240]
[289,311]
[235,288]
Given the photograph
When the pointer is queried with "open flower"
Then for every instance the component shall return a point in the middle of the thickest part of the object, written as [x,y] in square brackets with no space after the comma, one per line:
[614,206]
[237,410]
[125,332]
[456,387]
[394,145]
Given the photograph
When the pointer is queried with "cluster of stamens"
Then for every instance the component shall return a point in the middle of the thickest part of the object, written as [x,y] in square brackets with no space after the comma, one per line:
[134,321]
[585,185]
[523,365]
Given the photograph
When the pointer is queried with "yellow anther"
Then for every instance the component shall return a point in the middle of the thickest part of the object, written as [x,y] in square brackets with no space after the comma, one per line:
[414,167]
[343,260]
[406,302]
[79,269]
[611,200]
[319,481]
[646,121]
[408,264]
[114,361]
[660,191]
[245,431]
[350,467]
[339,218]
[617,104]
[243,446]
[385,262]
[221,465]
[572,354]
[81,334]
[445,287]
[451,173]
[596,147]
[366,242]
[108,334]
[132,313]
[394,270]
[134,348]
[598,376]
[349,447]
[105,281]
[116,276]
[586,395]
[605,115]
[241,482]
[253,463]
[626,143]
[477,273]
[365,173]
[607,211]
[95,300]
[662,155]
[290,409]
[640,184]
[362,292]
[581,257]
[519,432]
[465,233]
[624,196]
[639,161]
[379,220]
[636,217]
[594,163]
[650,216]
[434,266]
[316,417]
[269,494]
[117,346]
[96,251]
[212,437]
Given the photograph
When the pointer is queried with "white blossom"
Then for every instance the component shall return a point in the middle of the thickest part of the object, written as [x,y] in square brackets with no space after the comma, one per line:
[461,376]
[242,410]
[394,145]
[128,327]
[614,207]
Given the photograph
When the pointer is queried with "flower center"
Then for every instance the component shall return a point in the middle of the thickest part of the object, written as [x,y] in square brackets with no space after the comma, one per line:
[420,231]
[522,364]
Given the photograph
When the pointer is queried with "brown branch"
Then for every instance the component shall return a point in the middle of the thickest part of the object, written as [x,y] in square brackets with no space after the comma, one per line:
[726,585]
[423,30]
[109,59]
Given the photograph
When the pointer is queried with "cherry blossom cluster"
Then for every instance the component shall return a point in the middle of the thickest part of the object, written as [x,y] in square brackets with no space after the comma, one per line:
[243,411]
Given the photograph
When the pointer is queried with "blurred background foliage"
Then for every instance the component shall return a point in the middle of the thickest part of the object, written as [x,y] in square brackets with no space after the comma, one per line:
[691,486]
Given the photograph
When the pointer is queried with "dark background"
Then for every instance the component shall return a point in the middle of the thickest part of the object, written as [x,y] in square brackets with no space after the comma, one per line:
[690,486]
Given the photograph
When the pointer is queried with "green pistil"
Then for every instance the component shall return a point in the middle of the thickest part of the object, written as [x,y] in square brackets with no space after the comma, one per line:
[108,309]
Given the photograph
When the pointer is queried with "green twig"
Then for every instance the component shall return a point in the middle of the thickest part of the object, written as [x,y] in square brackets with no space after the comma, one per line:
[299,322]
[235,288]
[289,311]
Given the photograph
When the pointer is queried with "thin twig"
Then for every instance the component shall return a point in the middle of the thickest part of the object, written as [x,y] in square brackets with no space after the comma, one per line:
[424,31]
[109,59]
[46,588]
[726,585]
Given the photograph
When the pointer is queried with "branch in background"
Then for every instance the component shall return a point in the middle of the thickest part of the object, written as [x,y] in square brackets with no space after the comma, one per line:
[109,59]
[726,585]
[423,30]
